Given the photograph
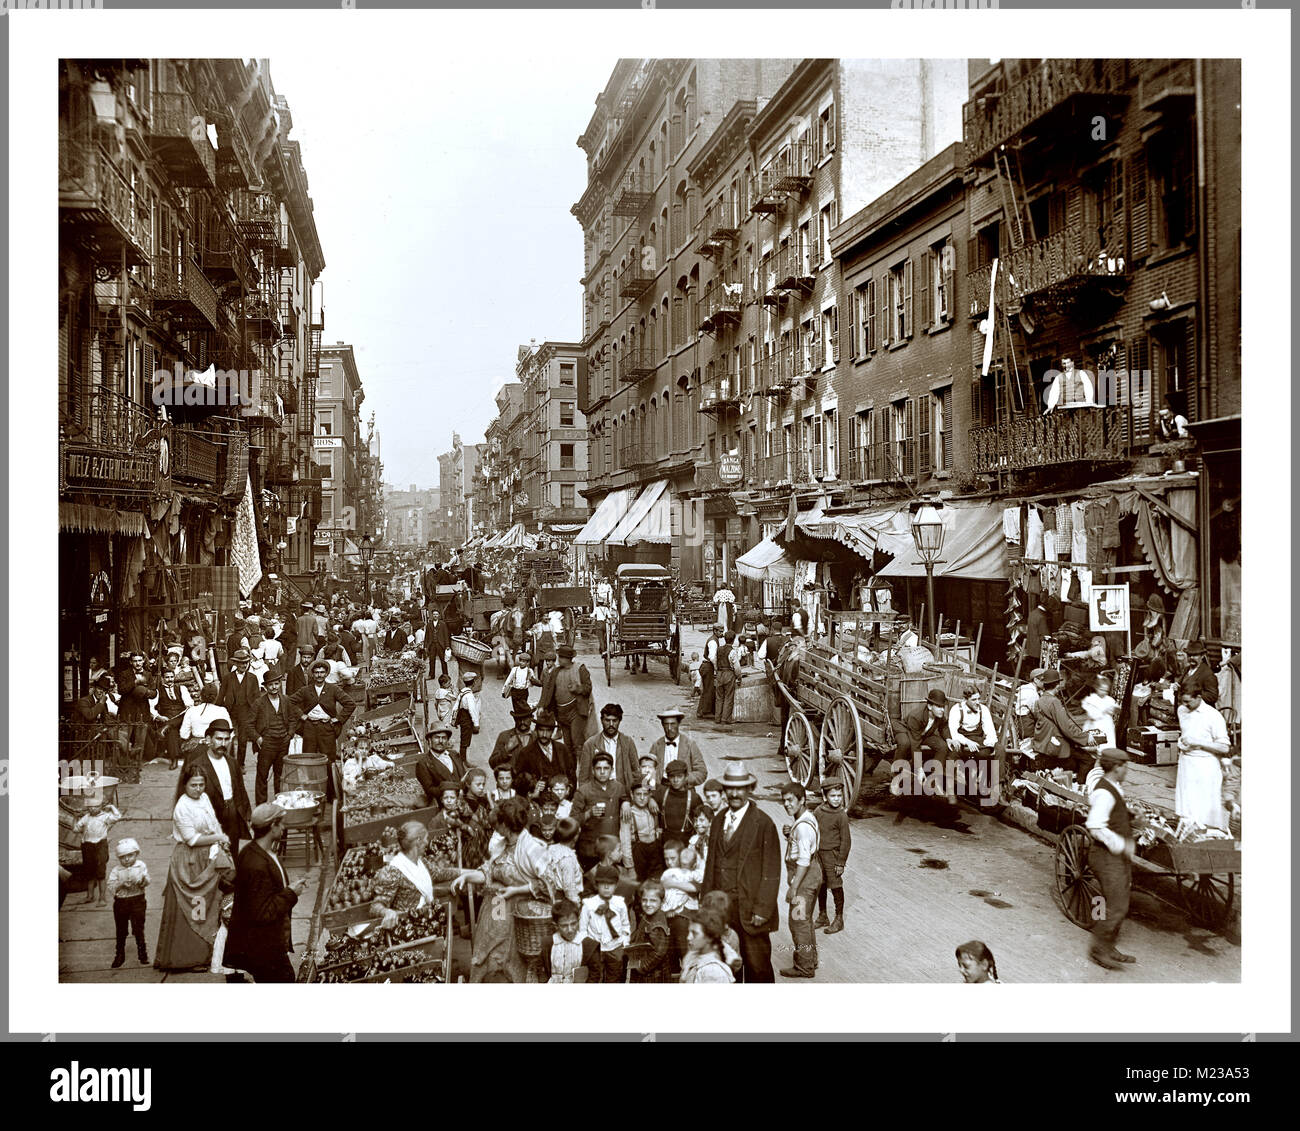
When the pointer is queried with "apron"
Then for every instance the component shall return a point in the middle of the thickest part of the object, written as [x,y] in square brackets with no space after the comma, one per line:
[1198,792]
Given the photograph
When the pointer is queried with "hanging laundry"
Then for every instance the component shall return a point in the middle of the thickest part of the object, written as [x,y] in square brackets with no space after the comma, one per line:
[1110,530]
[1051,574]
[1011,525]
[1084,577]
[1079,531]
[1063,529]
[1094,523]
[1049,518]
[1034,536]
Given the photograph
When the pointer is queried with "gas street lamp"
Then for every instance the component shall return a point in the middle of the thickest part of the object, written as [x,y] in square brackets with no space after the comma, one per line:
[367,552]
[927,534]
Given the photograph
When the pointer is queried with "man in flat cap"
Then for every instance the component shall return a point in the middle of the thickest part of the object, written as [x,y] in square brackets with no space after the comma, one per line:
[1111,858]
[566,691]
[240,693]
[261,935]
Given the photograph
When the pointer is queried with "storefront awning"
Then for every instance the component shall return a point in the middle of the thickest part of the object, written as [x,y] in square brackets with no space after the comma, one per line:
[516,538]
[649,519]
[974,547]
[85,518]
[861,533]
[766,562]
[612,508]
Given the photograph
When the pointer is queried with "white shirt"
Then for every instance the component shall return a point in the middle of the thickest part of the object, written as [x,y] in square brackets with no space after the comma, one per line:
[270,650]
[222,768]
[1204,725]
[201,716]
[611,746]
[1100,805]
[734,817]
[962,716]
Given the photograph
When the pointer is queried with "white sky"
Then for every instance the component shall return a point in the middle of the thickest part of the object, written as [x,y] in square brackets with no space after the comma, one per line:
[442,186]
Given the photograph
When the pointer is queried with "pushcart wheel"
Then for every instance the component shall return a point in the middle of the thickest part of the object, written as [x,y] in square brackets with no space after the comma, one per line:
[1207,897]
[800,748]
[1076,885]
[839,747]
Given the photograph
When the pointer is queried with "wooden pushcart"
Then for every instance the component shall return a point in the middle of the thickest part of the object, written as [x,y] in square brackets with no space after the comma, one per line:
[645,619]
[1203,873]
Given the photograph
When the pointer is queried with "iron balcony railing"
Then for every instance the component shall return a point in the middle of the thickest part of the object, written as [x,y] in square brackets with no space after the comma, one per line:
[775,372]
[720,304]
[194,457]
[632,194]
[178,135]
[97,196]
[718,227]
[993,119]
[720,393]
[1071,260]
[1074,435]
[106,419]
[636,455]
[635,364]
[787,172]
[179,286]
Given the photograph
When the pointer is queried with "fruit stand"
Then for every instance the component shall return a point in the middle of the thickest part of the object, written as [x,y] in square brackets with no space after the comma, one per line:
[379,799]
[391,677]
[416,949]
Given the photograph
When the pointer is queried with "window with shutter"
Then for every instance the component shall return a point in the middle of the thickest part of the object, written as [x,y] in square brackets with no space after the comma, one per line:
[1139,388]
[921,411]
[945,429]
[977,403]
[1139,218]
[907,458]
[833,347]
[946,268]
[927,288]
[869,336]
[1117,232]
[908,324]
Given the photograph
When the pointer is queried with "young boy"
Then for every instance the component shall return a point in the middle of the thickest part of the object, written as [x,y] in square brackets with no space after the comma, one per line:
[444,700]
[596,808]
[720,902]
[93,827]
[127,883]
[641,834]
[571,955]
[677,803]
[520,679]
[713,796]
[544,827]
[681,880]
[605,919]
[697,683]
[649,771]
[467,713]
[609,851]
[651,936]
[560,786]
[834,853]
[699,843]
[505,779]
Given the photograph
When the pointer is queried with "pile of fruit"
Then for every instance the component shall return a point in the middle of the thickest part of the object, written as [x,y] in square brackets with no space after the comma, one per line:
[348,958]
[388,670]
[298,799]
[381,793]
[427,922]
[354,882]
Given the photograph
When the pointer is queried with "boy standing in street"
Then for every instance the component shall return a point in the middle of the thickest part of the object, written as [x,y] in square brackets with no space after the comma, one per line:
[833,853]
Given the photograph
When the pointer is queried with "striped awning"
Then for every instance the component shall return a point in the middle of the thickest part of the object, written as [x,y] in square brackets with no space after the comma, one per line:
[648,519]
[766,562]
[612,508]
[85,518]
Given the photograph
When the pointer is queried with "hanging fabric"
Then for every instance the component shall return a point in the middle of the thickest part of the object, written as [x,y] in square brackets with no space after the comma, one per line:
[1034,536]
[1051,574]
[1078,532]
[1110,539]
[1011,525]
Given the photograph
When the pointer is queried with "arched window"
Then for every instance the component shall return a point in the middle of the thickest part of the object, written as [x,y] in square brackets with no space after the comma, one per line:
[667,423]
[653,425]
[664,327]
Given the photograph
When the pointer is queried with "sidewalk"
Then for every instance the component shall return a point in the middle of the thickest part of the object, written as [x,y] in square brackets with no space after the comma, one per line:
[86,931]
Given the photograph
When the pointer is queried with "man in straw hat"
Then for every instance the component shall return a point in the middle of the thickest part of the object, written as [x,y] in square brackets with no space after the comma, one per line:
[1111,858]
[744,860]
[677,746]
[261,934]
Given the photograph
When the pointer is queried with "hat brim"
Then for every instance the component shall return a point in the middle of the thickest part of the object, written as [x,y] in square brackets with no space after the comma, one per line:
[748,782]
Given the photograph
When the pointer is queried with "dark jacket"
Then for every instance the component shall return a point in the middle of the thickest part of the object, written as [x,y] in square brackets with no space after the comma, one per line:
[1203,682]
[504,749]
[437,639]
[266,716]
[1052,721]
[677,810]
[240,696]
[757,844]
[589,793]
[304,630]
[530,760]
[233,815]
[260,923]
[625,758]
[297,678]
[431,774]
[919,725]
[305,698]
[581,698]
[395,640]
[136,693]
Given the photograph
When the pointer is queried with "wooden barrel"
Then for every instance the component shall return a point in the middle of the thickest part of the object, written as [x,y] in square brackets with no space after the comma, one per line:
[754,703]
[913,687]
[305,771]
[949,677]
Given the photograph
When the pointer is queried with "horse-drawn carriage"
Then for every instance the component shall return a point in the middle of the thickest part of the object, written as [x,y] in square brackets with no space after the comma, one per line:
[643,621]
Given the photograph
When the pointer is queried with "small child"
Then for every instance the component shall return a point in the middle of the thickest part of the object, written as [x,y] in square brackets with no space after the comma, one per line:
[127,883]
[610,850]
[651,937]
[720,902]
[681,880]
[544,827]
[833,853]
[561,787]
[605,919]
[93,826]
[520,679]
[1100,707]
[713,796]
[505,779]
[640,831]
[444,700]
[467,713]
[570,951]
[699,842]
[649,771]
[697,681]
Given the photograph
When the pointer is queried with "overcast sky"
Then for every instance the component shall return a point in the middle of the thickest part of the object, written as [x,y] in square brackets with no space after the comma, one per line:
[442,191]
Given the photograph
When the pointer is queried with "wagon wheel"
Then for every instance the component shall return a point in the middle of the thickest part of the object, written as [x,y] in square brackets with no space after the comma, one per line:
[1207,897]
[840,746]
[1076,885]
[799,744]
[675,656]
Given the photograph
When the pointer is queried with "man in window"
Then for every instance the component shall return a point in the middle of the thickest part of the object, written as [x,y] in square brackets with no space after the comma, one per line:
[1071,388]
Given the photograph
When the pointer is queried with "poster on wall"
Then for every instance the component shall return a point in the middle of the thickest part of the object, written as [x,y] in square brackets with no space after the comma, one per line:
[1108,608]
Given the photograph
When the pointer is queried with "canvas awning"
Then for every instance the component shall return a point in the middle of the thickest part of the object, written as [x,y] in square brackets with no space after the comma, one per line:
[516,538]
[648,519]
[974,547]
[611,510]
[765,562]
[861,533]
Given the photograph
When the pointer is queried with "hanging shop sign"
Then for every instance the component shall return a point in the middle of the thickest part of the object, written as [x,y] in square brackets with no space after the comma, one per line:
[91,469]
[1108,608]
[729,469]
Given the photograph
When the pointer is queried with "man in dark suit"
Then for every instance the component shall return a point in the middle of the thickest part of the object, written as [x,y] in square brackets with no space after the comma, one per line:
[744,860]
[544,755]
[274,724]
[224,784]
[439,764]
[137,688]
[627,766]
[923,729]
[437,640]
[299,676]
[305,629]
[240,693]
[318,712]
[261,936]
[566,692]
[509,741]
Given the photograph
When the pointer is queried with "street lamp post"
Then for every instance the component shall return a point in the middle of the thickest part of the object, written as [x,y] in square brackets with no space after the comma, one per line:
[367,552]
[927,533]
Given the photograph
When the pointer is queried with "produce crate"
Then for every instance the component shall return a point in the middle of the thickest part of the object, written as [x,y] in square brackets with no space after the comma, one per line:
[437,951]
[1055,818]
[1204,857]
[371,830]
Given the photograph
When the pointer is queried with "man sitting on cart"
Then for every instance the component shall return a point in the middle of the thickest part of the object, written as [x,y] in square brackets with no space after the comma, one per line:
[924,728]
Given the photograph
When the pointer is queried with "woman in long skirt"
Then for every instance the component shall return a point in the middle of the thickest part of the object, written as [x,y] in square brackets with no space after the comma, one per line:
[192,902]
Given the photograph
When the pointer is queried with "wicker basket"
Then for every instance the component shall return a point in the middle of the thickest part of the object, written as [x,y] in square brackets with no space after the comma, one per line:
[471,651]
[533,927]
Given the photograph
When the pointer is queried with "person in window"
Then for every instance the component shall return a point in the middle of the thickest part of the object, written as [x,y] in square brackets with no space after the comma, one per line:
[1171,425]
[1071,388]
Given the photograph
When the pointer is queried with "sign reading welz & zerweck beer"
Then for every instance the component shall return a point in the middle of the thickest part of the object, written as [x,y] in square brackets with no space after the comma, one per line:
[91,469]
